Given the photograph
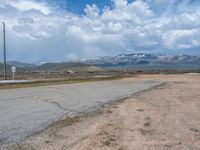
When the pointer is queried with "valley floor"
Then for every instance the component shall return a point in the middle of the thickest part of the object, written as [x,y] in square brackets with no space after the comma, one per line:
[166,117]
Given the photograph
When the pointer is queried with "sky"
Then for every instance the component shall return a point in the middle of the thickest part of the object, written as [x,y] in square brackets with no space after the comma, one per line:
[64,30]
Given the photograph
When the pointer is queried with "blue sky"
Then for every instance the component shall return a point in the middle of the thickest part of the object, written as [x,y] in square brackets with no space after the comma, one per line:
[77,6]
[62,30]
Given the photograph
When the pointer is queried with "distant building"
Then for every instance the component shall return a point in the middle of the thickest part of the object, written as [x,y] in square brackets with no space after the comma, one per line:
[70,72]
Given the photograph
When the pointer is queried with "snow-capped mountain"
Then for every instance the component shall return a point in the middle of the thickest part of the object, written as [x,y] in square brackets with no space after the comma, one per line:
[140,59]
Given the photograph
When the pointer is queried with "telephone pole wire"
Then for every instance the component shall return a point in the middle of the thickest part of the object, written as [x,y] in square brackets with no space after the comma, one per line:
[4,45]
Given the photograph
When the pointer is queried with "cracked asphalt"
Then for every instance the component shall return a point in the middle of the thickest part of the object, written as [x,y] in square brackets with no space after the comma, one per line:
[26,111]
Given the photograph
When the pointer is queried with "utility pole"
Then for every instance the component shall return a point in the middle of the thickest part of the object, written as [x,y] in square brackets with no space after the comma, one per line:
[4,45]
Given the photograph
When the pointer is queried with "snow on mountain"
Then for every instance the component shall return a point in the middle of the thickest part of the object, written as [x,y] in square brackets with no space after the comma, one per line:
[145,59]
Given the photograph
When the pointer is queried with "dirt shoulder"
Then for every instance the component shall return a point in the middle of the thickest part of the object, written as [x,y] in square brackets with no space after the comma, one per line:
[166,117]
[38,83]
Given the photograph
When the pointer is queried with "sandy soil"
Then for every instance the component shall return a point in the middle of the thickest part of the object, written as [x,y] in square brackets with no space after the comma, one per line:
[163,118]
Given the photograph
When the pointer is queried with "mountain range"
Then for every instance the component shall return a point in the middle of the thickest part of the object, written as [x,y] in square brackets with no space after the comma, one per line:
[48,67]
[138,61]
[141,61]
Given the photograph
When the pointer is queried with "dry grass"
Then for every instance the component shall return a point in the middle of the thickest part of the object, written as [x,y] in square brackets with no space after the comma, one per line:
[55,82]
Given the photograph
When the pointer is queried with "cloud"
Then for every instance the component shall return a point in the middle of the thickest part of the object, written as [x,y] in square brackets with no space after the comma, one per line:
[41,31]
[120,3]
[181,39]
[24,5]
[92,11]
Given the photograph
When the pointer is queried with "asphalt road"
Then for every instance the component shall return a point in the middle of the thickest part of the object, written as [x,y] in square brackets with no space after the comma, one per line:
[26,111]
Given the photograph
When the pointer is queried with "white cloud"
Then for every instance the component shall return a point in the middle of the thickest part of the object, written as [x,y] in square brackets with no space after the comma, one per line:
[39,32]
[140,8]
[24,5]
[181,39]
[92,10]
[120,3]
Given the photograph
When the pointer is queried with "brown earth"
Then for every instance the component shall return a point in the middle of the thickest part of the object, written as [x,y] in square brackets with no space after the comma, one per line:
[163,118]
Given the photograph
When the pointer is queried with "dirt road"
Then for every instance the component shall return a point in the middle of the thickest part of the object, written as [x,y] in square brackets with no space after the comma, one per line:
[164,118]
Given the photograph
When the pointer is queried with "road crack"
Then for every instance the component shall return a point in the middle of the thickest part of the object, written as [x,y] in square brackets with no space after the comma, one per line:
[63,108]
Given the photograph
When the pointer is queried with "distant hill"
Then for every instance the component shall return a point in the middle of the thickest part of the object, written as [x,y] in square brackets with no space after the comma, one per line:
[54,67]
[65,66]
[139,61]
[142,61]
[21,64]
[8,67]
